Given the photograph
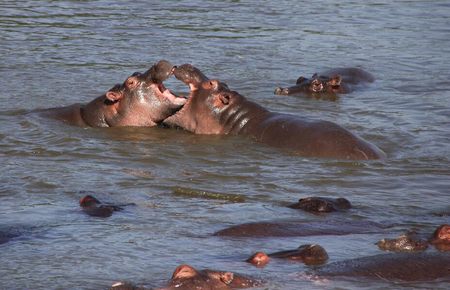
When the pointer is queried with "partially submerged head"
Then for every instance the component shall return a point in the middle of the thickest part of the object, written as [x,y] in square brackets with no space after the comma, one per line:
[441,238]
[142,100]
[259,259]
[207,100]
[317,84]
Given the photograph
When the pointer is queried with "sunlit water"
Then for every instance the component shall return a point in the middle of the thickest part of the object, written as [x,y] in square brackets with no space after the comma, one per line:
[55,53]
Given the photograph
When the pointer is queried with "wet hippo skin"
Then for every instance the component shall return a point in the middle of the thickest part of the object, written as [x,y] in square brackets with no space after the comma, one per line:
[142,100]
[411,267]
[186,277]
[441,238]
[213,109]
[334,81]
[405,243]
[308,254]
[301,228]
[321,204]
[93,207]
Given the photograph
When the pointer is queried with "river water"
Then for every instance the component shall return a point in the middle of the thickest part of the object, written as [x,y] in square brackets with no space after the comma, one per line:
[56,53]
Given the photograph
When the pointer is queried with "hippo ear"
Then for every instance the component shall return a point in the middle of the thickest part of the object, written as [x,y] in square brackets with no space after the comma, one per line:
[300,80]
[315,76]
[227,277]
[113,96]
[335,81]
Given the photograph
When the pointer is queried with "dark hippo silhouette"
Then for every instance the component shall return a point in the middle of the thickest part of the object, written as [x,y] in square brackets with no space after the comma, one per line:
[321,204]
[186,277]
[405,243]
[334,81]
[411,267]
[94,207]
[308,254]
[292,228]
[7,234]
[142,100]
[213,109]
[441,238]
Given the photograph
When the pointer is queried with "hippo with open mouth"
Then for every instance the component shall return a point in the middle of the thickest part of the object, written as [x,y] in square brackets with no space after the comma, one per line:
[142,100]
[212,108]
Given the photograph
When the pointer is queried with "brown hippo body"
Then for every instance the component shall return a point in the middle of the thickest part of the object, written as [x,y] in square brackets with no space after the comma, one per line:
[308,254]
[213,109]
[93,207]
[142,100]
[333,81]
[405,243]
[301,228]
[186,277]
[410,267]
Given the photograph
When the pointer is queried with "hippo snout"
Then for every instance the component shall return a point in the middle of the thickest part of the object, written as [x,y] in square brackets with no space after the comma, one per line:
[159,72]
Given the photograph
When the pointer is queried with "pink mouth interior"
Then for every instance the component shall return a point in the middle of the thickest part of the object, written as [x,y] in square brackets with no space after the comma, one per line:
[174,99]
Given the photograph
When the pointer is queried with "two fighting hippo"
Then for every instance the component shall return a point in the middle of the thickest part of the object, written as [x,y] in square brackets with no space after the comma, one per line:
[212,108]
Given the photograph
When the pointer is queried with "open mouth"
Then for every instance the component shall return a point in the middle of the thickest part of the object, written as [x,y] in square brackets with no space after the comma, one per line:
[167,94]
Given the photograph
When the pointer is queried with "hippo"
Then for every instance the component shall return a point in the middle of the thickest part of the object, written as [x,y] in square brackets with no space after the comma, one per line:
[308,254]
[333,81]
[321,204]
[293,228]
[94,207]
[405,243]
[213,109]
[394,267]
[186,277]
[441,238]
[142,100]
[7,234]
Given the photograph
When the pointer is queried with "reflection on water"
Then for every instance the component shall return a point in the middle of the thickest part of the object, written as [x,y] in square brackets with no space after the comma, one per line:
[55,53]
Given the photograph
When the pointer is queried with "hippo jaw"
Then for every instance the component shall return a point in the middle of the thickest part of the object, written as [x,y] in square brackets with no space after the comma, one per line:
[155,77]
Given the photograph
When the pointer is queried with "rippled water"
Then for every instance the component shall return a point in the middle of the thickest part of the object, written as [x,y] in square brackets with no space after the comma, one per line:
[55,53]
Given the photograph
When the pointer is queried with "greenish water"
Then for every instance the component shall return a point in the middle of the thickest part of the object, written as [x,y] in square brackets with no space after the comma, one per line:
[55,53]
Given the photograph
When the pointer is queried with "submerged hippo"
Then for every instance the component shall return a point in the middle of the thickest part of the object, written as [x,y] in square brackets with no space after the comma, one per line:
[213,109]
[411,267]
[334,81]
[405,243]
[321,204]
[186,277]
[301,228]
[410,242]
[308,254]
[142,100]
[7,234]
[94,207]
[441,238]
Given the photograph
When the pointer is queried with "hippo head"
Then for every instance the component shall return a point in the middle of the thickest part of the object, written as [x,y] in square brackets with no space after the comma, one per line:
[207,102]
[317,84]
[142,100]
[320,84]
[187,277]
[441,238]
[259,259]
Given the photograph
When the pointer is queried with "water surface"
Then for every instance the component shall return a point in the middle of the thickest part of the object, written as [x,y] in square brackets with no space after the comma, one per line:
[56,53]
